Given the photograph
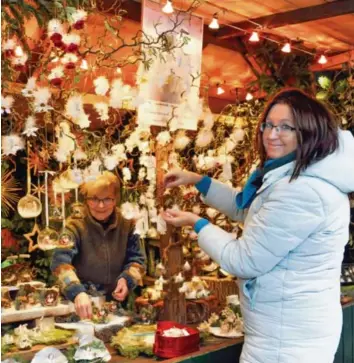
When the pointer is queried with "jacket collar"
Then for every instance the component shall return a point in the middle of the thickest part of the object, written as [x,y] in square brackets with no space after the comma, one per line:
[276,174]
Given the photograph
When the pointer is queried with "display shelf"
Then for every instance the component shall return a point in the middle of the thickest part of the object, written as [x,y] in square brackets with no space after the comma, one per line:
[12,315]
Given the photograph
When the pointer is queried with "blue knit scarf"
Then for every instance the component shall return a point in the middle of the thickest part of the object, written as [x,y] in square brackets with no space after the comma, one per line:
[255,180]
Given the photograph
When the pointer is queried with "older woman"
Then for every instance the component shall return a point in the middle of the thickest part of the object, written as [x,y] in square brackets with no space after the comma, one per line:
[296,213]
[106,251]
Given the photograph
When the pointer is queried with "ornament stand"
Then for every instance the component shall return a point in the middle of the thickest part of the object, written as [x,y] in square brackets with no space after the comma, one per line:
[171,251]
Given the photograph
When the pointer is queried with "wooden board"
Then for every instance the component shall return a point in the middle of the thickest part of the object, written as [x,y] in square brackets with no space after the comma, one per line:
[12,315]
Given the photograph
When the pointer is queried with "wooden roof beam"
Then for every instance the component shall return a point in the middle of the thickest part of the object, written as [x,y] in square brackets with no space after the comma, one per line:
[334,62]
[298,16]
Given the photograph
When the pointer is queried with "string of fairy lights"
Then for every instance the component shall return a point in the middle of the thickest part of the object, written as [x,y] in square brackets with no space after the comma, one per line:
[254,37]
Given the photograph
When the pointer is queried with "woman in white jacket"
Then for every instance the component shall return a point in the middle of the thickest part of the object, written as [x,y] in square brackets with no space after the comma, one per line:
[295,209]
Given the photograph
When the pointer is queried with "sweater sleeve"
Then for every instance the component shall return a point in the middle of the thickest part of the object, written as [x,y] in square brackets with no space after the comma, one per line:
[63,269]
[221,197]
[134,263]
[284,221]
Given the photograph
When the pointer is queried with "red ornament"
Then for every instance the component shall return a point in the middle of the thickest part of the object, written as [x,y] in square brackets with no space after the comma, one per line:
[9,53]
[79,25]
[20,67]
[70,65]
[72,47]
[57,39]
[56,81]
[8,240]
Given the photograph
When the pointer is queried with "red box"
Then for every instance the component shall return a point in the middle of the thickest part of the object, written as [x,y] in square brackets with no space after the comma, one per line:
[168,347]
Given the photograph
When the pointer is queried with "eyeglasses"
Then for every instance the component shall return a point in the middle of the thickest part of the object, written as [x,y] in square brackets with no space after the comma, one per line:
[96,201]
[280,129]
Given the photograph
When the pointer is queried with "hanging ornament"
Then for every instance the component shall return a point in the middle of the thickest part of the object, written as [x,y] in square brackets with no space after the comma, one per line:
[9,192]
[29,206]
[9,48]
[69,60]
[55,32]
[19,63]
[29,237]
[65,239]
[71,42]
[6,104]
[56,76]
[78,19]
[48,237]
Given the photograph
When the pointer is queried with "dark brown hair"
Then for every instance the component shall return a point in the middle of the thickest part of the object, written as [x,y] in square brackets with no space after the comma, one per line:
[316,129]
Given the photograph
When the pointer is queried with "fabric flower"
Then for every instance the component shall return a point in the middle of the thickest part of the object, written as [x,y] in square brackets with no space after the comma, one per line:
[102,110]
[41,99]
[101,85]
[30,127]
[163,138]
[181,141]
[6,104]
[116,95]
[79,154]
[130,210]
[110,162]
[11,144]
[30,87]
[204,138]
[126,174]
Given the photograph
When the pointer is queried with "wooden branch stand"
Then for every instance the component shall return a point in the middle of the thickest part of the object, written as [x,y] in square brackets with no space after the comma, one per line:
[171,252]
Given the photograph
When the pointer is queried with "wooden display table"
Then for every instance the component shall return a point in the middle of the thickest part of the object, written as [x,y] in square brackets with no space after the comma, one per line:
[212,348]
[12,315]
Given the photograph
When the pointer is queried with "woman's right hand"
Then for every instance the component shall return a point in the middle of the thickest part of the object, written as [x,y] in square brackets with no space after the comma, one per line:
[83,306]
[176,178]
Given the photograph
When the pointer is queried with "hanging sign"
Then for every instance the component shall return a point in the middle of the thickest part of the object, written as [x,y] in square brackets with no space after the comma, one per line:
[170,86]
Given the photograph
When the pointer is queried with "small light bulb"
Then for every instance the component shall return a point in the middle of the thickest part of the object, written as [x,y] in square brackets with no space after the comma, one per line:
[119,70]
[214,24]
[18,51]
[84,64]
[286,48]
[254,37]
[323,59]
[168,8]
[249,96]
[220,90]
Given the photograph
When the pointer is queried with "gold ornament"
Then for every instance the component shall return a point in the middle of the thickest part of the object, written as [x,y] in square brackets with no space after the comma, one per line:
[32,246]
[9,189]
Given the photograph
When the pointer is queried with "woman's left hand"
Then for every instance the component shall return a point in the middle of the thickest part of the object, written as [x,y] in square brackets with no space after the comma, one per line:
[180,218]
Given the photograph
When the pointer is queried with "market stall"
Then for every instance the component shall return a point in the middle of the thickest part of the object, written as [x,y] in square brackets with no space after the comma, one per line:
[134,90]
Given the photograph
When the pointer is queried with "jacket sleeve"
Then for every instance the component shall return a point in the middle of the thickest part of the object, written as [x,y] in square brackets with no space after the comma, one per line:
[291,213]
[134,263]
[63,269]
[223,198]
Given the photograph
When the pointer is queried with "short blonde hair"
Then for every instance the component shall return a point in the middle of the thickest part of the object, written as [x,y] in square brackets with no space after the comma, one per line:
[104,181]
